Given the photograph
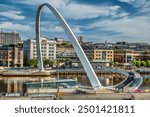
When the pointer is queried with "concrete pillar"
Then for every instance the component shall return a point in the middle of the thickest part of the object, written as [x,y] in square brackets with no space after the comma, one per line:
[15,87]
[8,86]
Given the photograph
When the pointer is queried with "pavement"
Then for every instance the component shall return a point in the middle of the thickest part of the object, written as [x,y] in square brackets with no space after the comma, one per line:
[102,96]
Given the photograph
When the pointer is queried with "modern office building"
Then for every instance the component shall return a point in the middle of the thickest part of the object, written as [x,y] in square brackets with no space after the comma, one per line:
[48,48]
[104,54]
[123,56]
[11,55]
[7,38]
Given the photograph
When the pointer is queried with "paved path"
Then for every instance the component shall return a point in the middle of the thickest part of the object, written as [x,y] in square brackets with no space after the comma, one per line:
[104,96]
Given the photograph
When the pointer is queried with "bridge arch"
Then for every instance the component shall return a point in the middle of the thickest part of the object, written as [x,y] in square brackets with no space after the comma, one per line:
[80,53]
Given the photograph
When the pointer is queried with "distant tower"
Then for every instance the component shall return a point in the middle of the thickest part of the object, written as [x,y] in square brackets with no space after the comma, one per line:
[80,39]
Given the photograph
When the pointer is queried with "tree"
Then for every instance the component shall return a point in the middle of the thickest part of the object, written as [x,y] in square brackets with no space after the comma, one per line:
[33,63]
[49,62]
[148,63]
[62,60]
[143,63]
[46,62]
[68,62]
[52,62]
[112,63]
[116,63]
[134,62]
[138,63]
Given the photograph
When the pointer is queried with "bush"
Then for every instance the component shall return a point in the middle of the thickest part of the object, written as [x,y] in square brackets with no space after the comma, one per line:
[148,63]
[138,63]
[143,63]
[134,62]
[33,62]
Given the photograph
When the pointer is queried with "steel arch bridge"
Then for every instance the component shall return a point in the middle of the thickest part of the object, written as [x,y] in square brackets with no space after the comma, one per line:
[84,61]
[136,81]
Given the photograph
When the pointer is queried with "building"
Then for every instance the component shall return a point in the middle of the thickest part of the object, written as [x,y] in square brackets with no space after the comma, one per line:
[133,46]
[7,38]
[106,45]
[141,55]
[123,56]
[66,53]
[104,54]
[11,55]
[66,50]
[80,39]
[48,48]
[103,57]
[59,40]
[88,49]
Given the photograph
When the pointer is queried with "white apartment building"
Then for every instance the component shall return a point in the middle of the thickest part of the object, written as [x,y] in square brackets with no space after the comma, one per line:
[48,48]
[7,38]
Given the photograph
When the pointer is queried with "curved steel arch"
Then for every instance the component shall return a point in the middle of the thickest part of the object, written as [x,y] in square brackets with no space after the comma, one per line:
[84,61]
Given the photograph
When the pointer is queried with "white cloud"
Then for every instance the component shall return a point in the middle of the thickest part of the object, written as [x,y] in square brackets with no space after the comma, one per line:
[128,28]
[76,30]
[56,3]
[28,2]
[143,5]
[81,11]
[124,28]
[16,15]
[56,27]
[128,1]
[16,27]
[75,10]
[51,28]
[25,31]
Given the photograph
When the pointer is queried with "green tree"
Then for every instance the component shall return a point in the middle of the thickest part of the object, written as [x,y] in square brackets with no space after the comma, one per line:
[46,62]
[138,63]
[49,62]
[52,62]
[62,60]
[116,63]
[33,62]
[148,63]
[68,62]
[134,62]
[112,63]
[143,63]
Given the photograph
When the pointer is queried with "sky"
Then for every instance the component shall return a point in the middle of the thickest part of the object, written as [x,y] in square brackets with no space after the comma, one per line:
[95,20]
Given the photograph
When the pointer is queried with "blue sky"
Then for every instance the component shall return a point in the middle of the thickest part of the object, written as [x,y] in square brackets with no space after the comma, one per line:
[95,20]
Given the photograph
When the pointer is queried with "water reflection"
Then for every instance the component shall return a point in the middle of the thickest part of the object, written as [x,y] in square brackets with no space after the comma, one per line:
[18,84]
